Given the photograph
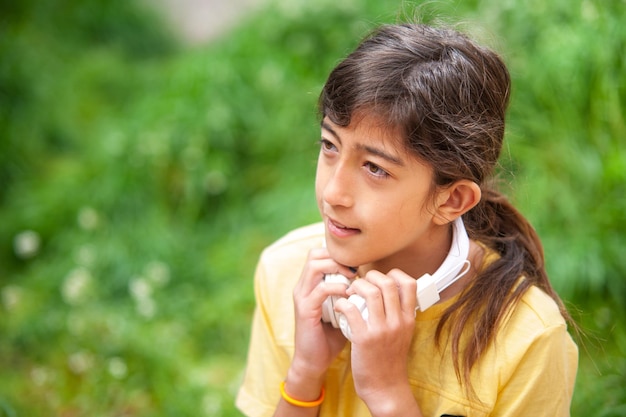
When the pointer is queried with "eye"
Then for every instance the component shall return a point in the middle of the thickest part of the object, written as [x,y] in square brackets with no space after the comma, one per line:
[327,145]
[375,170]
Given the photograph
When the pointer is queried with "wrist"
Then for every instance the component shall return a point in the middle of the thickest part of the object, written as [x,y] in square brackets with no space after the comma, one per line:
[302,369]
[305,386]
[394,402]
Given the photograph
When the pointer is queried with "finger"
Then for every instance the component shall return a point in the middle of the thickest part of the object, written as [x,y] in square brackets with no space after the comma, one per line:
[407,286]
[380,293]
[315,272]
[391,298]
[311,304]
[318,264]
[358,325]
[322,253]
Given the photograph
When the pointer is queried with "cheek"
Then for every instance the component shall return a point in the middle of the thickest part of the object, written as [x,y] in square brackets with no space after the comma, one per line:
[320,182]
[322,175]
[400,216]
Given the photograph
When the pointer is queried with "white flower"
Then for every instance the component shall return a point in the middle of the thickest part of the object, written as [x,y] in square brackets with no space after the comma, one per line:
[76,285]
[139,288]
[26,244]
[80,362]
[40,376]
[88,218]
[141,291]
[117,367]
[158,273]
[146,307]
[11,297]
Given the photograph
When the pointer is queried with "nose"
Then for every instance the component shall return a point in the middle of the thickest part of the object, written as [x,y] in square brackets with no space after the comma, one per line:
[339,187]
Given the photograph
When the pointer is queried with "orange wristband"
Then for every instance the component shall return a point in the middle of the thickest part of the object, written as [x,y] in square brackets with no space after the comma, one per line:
[299,403]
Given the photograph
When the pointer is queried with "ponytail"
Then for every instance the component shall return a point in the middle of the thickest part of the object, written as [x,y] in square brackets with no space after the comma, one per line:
[498,225]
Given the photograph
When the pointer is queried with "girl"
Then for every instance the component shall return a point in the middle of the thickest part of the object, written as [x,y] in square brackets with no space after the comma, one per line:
[412,123]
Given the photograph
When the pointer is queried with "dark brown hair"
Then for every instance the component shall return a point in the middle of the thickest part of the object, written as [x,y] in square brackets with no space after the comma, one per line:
[448,96]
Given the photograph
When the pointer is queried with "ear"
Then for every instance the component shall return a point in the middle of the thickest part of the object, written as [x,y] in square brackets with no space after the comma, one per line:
[455,200]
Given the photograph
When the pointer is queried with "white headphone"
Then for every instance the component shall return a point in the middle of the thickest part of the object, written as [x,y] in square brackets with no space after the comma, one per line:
[428,286]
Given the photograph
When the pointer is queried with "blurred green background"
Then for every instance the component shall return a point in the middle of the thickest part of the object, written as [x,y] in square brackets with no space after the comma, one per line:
[141,176]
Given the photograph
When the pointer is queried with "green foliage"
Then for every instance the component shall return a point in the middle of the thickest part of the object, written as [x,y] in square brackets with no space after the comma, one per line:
[568,123]
[139,180]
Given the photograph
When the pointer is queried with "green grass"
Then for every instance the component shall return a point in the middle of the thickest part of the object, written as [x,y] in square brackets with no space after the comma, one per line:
[139,180]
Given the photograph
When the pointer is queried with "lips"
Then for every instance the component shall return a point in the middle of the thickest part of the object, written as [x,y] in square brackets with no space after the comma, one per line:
[339,230]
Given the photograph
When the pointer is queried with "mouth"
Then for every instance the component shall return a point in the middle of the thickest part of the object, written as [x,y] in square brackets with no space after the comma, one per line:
[340,230]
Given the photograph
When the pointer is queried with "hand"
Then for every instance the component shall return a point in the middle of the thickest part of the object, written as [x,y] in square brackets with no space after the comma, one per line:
[316,343]
[380,345]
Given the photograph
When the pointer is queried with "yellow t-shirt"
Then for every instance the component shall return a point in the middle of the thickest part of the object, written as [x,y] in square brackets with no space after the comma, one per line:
[529,370]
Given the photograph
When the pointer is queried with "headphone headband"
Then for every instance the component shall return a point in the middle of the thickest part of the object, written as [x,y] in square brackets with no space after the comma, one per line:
[450,269]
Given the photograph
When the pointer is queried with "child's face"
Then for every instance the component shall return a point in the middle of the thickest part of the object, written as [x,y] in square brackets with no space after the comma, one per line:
[372,194]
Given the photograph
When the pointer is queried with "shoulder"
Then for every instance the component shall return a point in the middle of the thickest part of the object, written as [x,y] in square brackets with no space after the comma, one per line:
[284,259]
[535,325]
[534,318]
[537,310]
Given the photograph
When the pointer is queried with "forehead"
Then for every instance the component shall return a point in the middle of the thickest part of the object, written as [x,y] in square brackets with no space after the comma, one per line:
[367,129]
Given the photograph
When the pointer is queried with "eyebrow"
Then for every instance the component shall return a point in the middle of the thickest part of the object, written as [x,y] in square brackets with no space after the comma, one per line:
[369,149]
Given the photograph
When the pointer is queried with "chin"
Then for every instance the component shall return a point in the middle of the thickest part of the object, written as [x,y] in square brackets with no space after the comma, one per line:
[345,257]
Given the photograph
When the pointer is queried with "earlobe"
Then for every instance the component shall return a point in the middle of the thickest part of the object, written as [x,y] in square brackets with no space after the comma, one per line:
[456,200]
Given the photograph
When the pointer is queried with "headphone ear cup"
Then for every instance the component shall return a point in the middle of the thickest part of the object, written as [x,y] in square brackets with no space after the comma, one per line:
[359,303]
[328,306]
[328,312]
